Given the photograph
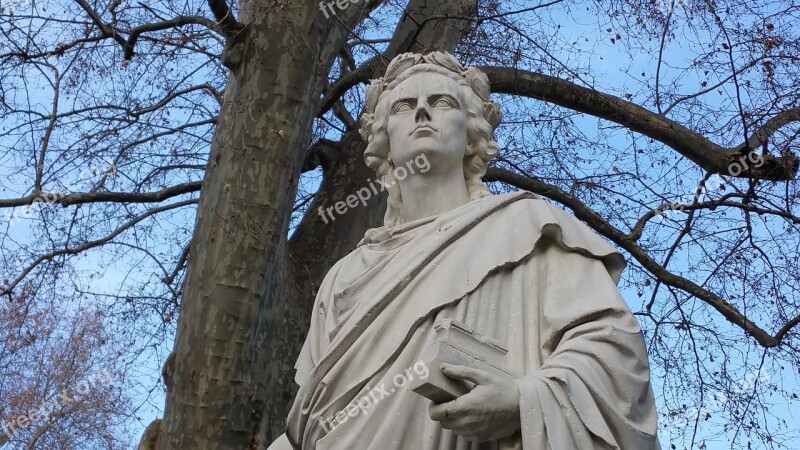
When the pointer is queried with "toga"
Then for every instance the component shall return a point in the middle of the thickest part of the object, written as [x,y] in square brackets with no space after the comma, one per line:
[513,268]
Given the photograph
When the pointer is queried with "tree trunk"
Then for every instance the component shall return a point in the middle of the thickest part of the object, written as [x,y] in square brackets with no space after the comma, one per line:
[218,393]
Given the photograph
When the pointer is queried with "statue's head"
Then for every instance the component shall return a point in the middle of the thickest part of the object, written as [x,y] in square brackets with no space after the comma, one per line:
[456,106]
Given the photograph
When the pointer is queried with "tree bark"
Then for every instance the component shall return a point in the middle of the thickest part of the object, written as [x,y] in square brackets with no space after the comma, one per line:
[236,277]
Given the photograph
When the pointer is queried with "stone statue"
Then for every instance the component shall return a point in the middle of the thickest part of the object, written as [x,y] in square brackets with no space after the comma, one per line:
[469,320]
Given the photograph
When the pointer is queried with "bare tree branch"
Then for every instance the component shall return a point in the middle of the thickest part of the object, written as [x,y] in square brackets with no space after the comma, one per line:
[705,153]
[772,125]
[227,23]
[134,34]
[226,26]
[7,290]
[638,228]
[37,182]
[103,196]
[321,154]
[107,29]
[168,279]
[600,225]
[362,74]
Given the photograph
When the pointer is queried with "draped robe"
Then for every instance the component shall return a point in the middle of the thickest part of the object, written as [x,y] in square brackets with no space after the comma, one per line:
[513,268]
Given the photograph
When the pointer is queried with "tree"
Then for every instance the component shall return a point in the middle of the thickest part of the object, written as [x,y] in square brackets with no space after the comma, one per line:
[58,378]
[685,159]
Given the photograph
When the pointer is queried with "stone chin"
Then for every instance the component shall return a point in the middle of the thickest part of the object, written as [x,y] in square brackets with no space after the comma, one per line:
[437,158]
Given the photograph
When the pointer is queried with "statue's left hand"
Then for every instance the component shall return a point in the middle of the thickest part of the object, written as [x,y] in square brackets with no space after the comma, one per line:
[489,411]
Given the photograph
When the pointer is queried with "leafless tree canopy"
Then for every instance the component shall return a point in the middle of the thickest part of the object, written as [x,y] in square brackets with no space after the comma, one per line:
[162,164]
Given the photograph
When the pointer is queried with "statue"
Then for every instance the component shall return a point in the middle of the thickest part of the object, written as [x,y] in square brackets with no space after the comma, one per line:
[469,320]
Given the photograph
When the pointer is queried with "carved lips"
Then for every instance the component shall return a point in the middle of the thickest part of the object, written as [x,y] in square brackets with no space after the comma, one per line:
[426,129]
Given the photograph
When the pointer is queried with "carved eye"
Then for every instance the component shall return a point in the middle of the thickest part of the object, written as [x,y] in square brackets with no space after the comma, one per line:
[443,102]
[402,107]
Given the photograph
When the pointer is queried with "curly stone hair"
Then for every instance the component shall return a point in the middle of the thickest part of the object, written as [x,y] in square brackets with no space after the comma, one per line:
[483,116]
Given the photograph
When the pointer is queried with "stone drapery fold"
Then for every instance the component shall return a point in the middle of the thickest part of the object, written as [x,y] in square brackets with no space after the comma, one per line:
[514,268]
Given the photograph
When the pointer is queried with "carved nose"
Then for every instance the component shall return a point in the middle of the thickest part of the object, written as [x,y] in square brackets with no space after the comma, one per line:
[422,113]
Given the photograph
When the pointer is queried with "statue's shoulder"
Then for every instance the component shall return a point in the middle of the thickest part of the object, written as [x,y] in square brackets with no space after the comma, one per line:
[529,213]
[528,207]
[525,211]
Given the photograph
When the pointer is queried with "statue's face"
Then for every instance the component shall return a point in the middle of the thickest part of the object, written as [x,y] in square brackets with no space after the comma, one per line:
[427,116]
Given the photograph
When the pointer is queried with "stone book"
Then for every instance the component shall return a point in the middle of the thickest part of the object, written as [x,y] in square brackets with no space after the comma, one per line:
[456,343]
